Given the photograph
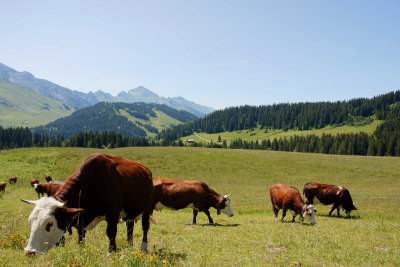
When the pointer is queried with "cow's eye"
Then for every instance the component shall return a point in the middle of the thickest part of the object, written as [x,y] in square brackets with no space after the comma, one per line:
[48,226]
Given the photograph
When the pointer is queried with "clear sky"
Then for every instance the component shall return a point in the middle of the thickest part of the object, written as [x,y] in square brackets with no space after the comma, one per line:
[216,53]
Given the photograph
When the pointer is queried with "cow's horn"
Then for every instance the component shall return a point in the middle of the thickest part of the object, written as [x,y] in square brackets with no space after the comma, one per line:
[229,195]
[29,201]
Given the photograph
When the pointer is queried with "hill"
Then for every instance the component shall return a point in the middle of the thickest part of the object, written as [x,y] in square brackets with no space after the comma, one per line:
[79,100]
[136,120]
[22,107]
[297,116]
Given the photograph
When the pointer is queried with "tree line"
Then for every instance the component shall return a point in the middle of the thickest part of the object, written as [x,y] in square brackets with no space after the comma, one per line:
[301,116]
[384,142]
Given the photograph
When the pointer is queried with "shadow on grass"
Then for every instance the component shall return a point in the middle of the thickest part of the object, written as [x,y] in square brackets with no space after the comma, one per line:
[341,217]
[217,225]
[170,256]
[296,222]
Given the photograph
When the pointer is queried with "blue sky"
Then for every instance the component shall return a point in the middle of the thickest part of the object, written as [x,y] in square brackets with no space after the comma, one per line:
[216,53]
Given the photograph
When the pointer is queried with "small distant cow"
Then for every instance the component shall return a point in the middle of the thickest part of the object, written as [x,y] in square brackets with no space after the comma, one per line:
[287,197]
[3,187]
[178,194]
[12,180]
[48,178]
[49,188]
[329,194]
[34,181]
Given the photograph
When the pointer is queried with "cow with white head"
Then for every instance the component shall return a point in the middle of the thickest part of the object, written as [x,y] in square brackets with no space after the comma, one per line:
[49,221]
[102,188]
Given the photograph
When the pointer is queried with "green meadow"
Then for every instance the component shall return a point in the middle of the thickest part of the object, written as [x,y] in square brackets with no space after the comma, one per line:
[263,134]
[369,237]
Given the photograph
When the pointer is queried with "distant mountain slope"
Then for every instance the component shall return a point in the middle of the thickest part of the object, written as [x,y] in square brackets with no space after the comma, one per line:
[300,116]
[22,107]
[137,120]
[42,87]
[142,94]
[79,100]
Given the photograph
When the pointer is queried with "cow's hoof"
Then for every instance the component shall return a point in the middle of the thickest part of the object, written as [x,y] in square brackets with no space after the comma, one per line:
[144,246]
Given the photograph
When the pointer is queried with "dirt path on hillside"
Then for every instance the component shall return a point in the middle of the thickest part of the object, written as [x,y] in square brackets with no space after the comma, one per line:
[196,134]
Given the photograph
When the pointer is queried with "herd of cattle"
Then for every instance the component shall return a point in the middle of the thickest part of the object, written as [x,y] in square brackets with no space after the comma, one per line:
[120,190]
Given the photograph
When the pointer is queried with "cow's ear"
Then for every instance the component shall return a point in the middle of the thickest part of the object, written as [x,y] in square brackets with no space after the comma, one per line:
[65,216]
[72,212]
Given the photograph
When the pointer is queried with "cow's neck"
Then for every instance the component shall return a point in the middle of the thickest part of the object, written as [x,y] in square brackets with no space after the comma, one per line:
[299,205]
[214,200]
[70,192]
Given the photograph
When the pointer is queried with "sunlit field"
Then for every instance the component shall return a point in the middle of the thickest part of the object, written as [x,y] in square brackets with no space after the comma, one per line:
[369,237]
[263,134]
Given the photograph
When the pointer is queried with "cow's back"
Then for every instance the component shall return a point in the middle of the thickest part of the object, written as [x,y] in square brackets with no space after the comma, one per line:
[179,194]
[282,194]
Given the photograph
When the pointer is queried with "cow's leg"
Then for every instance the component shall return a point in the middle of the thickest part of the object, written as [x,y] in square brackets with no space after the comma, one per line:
[112,222]
[195,212]
[338,211]
[210,220]
[129,230]
[293,214]
[276,211]
[81,232]
[335,206]
[283,212]
[145,227]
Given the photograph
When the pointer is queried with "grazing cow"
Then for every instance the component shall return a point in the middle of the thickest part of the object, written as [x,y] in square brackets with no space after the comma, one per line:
[48,178]
[12,180]
[178,194]
[34,181]
[102,188]
[3,187]
[287,197]
[329,194]
[49,188]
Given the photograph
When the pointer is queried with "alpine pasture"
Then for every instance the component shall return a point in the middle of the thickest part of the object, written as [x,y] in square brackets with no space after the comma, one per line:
[369,237]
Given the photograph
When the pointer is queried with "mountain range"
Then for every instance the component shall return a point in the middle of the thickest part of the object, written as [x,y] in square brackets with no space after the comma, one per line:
[71,100]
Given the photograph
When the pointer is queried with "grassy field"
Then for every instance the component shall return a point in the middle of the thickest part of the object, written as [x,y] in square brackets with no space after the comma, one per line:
[262,134]
[21,107]
[370,237]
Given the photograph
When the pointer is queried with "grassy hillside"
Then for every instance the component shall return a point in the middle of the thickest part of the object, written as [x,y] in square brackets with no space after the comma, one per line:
[262,134]
[135,120]
[370,237]
[21,107]
[159,121]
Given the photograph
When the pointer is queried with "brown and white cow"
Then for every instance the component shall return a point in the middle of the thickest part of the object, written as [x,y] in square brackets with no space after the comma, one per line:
[178,194]
[48,177]
[287,197]
[3,187]
[49,188]
[329,194]
[34,181]
[12,180]
[102,188]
